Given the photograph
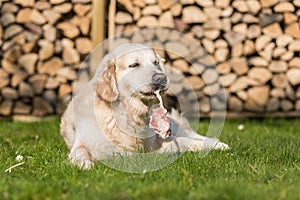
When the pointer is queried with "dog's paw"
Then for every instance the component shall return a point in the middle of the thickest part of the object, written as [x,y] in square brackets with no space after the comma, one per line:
[81,159]
[221,146]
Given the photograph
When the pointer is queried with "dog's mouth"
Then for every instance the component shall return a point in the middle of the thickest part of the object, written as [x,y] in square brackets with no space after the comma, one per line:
[149,91]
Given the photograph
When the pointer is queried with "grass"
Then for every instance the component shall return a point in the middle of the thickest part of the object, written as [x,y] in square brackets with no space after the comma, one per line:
[263,163]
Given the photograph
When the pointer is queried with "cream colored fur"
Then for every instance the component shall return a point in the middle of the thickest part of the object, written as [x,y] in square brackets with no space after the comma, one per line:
[111,113]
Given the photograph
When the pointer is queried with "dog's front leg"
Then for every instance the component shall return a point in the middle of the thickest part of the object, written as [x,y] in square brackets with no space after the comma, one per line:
[80,155]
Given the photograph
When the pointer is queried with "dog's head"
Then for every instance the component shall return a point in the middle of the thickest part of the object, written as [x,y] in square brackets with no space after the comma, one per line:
[131,70]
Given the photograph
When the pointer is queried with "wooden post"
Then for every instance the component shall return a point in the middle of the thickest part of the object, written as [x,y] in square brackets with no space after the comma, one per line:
[98,32]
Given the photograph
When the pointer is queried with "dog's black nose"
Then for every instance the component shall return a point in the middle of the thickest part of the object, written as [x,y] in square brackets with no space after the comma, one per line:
[160,79]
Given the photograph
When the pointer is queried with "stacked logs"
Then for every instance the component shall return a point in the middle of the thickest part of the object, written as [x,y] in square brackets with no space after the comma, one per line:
[42,45]
[254,44]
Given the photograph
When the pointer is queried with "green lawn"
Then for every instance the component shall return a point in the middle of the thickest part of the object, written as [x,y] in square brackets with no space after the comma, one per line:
[263,163]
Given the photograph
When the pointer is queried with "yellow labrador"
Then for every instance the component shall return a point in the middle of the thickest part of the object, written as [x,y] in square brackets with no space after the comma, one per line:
[111,114]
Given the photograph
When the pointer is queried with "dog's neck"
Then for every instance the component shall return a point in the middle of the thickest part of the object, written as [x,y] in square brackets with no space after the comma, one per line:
[128,122]
[135,111]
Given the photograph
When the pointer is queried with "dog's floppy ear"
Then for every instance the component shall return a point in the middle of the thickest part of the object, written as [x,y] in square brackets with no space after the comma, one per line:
[106,86]
[161,59]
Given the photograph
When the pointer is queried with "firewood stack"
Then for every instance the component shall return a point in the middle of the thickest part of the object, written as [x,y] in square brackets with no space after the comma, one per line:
[42,45]
[255,45]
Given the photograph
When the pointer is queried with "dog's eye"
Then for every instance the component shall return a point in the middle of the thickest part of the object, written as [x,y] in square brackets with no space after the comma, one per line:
[156,62]
[134,65]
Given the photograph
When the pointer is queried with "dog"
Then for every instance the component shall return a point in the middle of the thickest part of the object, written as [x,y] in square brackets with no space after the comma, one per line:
[110,114]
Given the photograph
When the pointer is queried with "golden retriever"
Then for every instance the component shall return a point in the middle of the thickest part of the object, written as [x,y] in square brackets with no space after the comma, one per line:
[111,113]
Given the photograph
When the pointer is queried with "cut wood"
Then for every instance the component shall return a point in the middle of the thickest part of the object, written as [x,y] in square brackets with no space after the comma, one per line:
[81,9]
[212,12]
[279,81]
[273,30]
[49,32]
[176,9]
[227,79]
[297,106]
[210,76]
[284,7]
[17,78]
[181,65]
[37,17]
[149,21]
[224,68]
[221,54]
[67,73]
[293,30]
[41,107]
[69,29]
[84,45]
[240,5]
[70,55]
[262,41]
[284,40]
[295,62]
[289,18]
[204,105]
[243,95]
[51,16]
[166,20]
[25,3]
[277,92]
[278,66]
[195,82]
[21,108]
[222,3]
[242,83]
[235,104]
[268,3]
[249,47]
[165,4]
[152,10]
[208,45]
[37,82]
[239,65]
[28,61]
[253,31]
[51,83]
[9,93]
[46,52]
[192,14]
[253,6]
[63,8]
[273,104]
[57,1]
[51,67]
[12,31]
[205,3]
[286,105]
[237,50]
[258,61]
[6,107]
[23,16]
[64,89]
[293,76]
[259,95]
[262,75]
[233,38]
[294,46]
[123,18]
[211,90]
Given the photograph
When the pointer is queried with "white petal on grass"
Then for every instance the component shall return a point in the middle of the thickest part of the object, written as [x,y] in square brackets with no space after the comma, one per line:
[19,158]
[241,127]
